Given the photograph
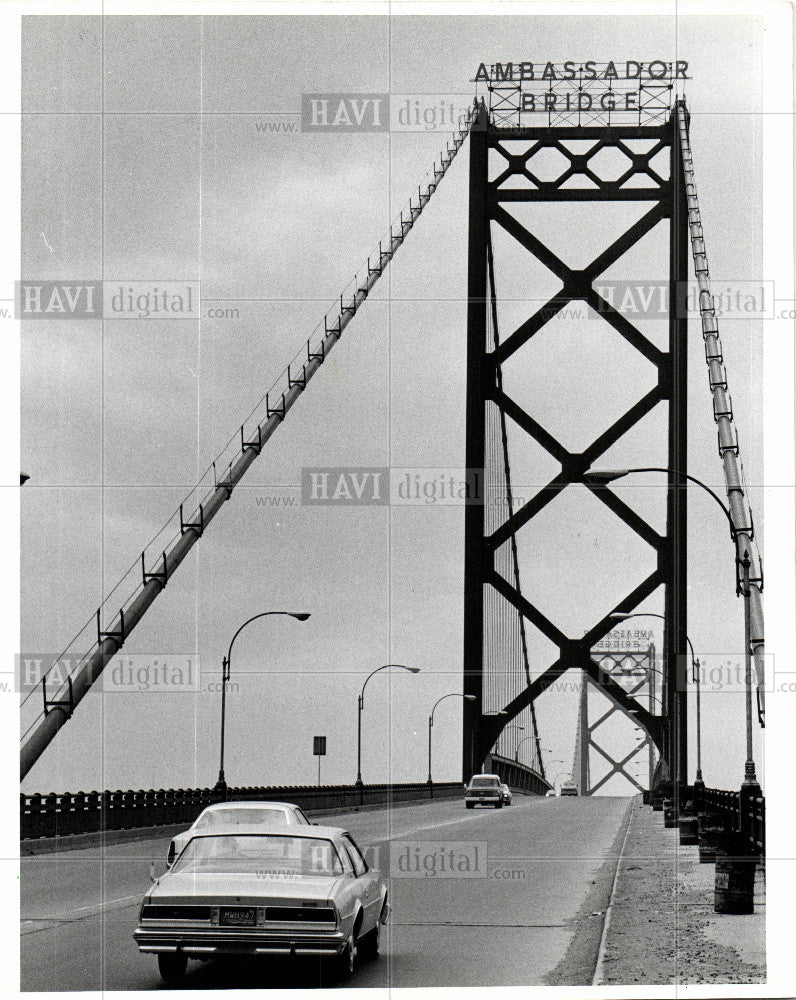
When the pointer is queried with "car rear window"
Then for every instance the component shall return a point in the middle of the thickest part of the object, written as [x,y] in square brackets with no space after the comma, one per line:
[273,855]
[485,783]
[222,818]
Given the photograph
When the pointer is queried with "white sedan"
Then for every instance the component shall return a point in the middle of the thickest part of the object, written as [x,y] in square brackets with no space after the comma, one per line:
[291,892]
[228,815]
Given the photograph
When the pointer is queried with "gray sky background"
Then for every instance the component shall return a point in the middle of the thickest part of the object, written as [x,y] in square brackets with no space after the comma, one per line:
[119,419]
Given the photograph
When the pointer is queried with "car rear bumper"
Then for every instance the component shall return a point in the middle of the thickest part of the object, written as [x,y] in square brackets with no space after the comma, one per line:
[210,941]
[484,800]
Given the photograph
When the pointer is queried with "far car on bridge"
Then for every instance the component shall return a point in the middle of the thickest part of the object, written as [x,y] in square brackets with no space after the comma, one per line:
[506,792]
[569,788]
[303,891]
[231,815]
[484,790]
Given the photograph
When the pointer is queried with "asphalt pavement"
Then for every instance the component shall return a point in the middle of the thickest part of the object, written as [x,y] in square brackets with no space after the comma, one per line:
[481,897]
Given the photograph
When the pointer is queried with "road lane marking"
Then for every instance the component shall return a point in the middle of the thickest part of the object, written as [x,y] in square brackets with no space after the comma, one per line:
[420,829]
[457,923]
[82,911]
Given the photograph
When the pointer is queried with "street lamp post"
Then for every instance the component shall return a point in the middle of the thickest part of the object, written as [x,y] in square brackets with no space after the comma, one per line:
[555,780]
[301,616]
[512,725]
[750,783]
[525,739]
[553,763]
[361,705]
[602,477]
[453,694]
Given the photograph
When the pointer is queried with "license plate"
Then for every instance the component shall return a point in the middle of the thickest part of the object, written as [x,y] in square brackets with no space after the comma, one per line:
[238,916]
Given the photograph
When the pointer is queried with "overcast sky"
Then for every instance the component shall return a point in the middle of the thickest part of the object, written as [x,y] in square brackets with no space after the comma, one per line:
[176,182]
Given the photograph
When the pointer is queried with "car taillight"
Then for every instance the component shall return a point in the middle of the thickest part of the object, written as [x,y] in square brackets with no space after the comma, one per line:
[306,914]
[165,912]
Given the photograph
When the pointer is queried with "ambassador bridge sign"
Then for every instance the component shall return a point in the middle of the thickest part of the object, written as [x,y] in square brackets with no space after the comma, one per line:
[630,92]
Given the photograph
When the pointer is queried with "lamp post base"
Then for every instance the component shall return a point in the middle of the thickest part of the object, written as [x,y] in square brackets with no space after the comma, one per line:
[750,781]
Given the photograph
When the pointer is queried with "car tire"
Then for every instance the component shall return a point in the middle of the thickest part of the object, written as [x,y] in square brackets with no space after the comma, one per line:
[498,805]
[172,966]
[469,805]
[370,944]
[344,964]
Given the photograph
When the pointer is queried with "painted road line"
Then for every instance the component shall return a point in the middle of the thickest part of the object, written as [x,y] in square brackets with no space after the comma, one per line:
[81,912]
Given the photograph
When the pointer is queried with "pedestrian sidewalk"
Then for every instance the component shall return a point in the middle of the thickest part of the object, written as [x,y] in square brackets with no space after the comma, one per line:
[662,928]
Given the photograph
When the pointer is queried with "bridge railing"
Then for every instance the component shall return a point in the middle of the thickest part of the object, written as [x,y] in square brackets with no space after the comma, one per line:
[743,815]
[59,815]
[516,775]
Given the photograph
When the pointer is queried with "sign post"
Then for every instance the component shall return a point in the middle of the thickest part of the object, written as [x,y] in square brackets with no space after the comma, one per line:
[319,750]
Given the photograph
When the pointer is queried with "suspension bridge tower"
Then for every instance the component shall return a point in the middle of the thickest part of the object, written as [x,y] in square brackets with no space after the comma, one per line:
[521,125]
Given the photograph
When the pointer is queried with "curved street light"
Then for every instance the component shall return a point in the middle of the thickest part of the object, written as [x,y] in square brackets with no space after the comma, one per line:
[553,763]
[513,725]
[567,773]
[525,739]
[361,705]
[301,616]
[453,694]
[604,476]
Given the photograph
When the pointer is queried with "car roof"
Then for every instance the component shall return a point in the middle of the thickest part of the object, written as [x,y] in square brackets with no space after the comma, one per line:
[242,803]
[320,832]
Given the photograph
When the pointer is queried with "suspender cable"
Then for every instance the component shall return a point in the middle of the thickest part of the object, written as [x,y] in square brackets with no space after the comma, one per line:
[109,641]
[749,566]
[513,555]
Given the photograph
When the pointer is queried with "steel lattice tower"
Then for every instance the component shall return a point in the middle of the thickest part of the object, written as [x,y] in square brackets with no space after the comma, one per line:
[490,206]
[635,670]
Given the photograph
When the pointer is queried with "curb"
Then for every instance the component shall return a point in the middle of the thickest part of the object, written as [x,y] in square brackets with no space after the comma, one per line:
[598,969]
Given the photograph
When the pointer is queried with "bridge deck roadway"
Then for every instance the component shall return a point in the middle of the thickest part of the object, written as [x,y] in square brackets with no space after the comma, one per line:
[532,915]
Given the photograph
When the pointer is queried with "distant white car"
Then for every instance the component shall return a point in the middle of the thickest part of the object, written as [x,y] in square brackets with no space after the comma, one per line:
[569,788]
[550,793]
[229,815]
[506,794]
